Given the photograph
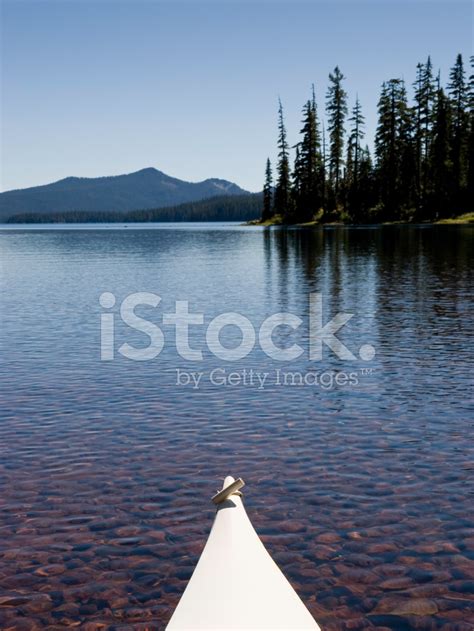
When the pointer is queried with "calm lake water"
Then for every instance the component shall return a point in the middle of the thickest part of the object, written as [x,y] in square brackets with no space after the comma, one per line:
[363,492]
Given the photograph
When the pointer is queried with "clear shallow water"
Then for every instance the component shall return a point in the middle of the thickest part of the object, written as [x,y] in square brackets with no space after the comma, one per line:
[363,494]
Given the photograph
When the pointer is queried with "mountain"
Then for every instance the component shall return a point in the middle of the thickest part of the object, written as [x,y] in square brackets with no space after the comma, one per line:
[148,188]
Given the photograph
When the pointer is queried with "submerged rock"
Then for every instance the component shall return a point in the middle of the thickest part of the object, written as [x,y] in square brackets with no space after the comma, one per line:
[416,607]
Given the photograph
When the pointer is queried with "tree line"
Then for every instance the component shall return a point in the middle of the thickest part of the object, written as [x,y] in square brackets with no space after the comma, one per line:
[423,163]
[220,208]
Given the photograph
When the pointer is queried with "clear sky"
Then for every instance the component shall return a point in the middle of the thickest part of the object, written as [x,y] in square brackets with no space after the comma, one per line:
[103,87]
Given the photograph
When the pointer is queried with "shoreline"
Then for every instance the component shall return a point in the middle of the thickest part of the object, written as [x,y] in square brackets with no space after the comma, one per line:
[463,219]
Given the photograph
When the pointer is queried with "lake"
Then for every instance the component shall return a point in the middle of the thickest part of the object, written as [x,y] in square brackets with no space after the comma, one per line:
[359,471]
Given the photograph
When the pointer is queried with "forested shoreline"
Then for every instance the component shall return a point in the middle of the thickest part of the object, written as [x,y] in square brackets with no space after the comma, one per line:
[423,163]
[219,208]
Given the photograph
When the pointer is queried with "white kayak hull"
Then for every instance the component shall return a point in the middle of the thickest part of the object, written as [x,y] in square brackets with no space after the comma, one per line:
[236,584]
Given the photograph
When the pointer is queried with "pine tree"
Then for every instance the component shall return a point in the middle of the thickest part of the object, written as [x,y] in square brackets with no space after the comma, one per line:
[470,153]
[418,96]
[297,180]
[318,166]
[407,157]
[319,150]
[386,148]
[307,184]
[323,173]
[422,129]
[394,149]
[268,193]
[427,119]
[336,106]
[357,133]
[458,97]
[441,165]
[282,190]
[366,187]
[349,174]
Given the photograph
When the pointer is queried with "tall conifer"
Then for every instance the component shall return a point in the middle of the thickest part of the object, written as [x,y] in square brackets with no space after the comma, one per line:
[457,91]
[282,189]
[336,106]
[268,193]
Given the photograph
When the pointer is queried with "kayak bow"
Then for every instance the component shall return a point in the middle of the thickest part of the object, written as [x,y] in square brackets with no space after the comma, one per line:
[236,583]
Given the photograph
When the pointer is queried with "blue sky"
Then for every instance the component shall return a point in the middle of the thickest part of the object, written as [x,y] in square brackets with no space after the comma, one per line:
[105,87]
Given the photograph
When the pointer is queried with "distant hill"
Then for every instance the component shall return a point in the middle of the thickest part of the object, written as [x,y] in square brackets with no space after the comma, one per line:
[221,208]
[148,188]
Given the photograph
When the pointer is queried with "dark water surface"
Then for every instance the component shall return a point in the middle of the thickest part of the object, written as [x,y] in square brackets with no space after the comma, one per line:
[362,493]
